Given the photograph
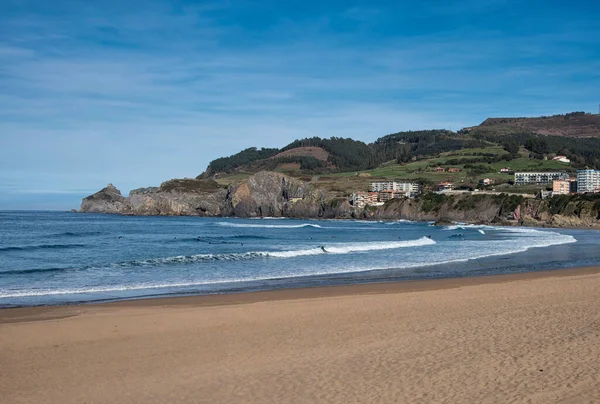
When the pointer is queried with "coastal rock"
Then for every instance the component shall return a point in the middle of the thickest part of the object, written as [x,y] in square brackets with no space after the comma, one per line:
[181,197]
[270,194]
[443,222]
[107,200]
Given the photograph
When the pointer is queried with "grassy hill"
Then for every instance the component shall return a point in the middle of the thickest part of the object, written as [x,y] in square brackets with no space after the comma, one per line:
[343,165]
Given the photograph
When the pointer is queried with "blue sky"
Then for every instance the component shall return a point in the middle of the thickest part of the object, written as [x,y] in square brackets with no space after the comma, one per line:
[137,92]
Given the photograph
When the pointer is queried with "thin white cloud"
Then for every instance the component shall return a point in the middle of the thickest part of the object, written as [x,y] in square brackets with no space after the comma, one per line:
[92,95]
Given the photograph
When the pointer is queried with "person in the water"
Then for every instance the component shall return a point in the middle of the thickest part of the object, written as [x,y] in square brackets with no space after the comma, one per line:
[323,248]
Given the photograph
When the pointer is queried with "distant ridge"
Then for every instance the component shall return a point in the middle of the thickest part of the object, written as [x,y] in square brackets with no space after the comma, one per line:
[574,124]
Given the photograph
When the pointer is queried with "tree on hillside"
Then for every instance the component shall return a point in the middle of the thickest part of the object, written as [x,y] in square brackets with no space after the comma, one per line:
[511,146]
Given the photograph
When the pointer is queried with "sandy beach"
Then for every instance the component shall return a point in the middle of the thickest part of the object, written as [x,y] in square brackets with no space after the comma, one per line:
[514,338]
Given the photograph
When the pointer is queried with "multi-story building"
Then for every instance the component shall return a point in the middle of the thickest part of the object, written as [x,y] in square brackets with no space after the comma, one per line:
[385,196]
[588,181]
[408,188]
[362,199]
[539,178]
[383,186]
[564,187]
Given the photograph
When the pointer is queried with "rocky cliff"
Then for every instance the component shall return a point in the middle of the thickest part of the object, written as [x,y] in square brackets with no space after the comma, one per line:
[504,209]
[264,194]
[277,195]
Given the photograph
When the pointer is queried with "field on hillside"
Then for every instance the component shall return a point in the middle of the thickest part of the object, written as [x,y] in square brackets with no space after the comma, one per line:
[425,169]
[345,183]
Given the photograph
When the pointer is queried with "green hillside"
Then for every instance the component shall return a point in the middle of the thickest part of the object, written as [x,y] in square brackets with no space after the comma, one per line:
[342,165]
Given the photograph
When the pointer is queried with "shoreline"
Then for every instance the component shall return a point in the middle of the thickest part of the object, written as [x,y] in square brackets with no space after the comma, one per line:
[52,312]
[360,219]
[528,337]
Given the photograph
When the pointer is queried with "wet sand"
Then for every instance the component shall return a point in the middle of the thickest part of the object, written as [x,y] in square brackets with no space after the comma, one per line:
[531,337]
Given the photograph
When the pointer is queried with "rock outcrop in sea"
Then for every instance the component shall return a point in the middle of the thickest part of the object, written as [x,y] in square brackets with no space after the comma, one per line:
[270,194]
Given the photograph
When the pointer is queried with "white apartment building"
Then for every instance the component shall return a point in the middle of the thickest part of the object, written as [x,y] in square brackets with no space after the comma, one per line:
[539,178]
[380,186]
[588,180]
[409,188]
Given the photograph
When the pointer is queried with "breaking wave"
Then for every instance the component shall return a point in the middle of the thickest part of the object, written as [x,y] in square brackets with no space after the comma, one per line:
[269,226]
[345,248]
[41,247]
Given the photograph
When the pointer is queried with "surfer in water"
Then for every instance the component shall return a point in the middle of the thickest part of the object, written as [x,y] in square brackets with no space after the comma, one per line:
[324,250]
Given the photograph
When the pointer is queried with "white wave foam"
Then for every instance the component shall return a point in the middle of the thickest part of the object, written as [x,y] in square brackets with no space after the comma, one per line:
[269,226]
[353,247]
[114,288]
[345,248]
[463,226]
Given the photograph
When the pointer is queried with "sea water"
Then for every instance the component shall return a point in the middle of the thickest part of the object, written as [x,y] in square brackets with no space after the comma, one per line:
[62,258]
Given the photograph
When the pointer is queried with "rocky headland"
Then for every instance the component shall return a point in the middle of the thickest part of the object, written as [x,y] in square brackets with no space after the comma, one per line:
[270,194]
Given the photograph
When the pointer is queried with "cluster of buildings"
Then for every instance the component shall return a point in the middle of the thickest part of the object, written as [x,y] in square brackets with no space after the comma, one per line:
[382,191]
[586,181]
[450,170]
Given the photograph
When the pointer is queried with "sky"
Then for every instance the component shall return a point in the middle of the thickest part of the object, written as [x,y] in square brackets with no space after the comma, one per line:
[137,92]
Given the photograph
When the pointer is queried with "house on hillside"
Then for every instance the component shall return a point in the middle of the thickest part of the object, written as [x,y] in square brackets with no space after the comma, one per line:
[440,170]
[453,170]
[486,181]
[561,159]
[444,186]
[505,170]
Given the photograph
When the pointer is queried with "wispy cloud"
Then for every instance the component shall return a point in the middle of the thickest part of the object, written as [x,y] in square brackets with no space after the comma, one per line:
[98,92]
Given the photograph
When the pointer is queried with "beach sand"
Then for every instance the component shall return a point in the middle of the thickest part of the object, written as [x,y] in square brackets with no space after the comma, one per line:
[513,338]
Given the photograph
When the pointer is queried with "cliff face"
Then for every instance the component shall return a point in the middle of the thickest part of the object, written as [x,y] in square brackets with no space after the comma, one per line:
[182,197]
[273,194]
[494,209]
[459,209]
[277,195]
[264,194]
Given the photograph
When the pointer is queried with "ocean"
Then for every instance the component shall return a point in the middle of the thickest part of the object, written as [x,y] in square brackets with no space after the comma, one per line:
[49,258]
